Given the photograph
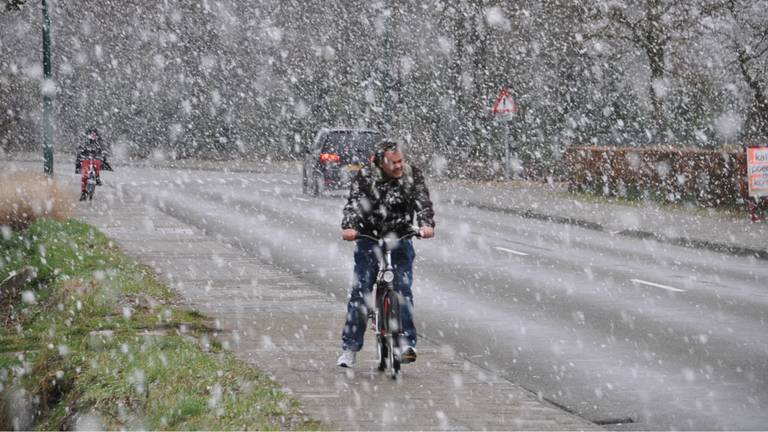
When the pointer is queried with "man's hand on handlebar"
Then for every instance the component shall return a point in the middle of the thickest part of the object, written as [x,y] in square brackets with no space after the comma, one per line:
[426,232]
[349,234]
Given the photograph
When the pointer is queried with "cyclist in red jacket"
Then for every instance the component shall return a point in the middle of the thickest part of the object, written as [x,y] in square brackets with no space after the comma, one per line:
[92,151]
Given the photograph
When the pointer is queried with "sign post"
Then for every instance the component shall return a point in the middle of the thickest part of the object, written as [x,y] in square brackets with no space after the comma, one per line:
[504,110]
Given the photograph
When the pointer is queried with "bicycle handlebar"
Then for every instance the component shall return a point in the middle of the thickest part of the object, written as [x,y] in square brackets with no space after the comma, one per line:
[413,233]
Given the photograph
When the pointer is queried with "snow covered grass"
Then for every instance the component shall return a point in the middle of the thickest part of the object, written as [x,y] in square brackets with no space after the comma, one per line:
[26,196]
[729,212]
[93,341]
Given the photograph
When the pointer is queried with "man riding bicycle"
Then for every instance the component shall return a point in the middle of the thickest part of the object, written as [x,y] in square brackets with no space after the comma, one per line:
[91,152]
[383,200]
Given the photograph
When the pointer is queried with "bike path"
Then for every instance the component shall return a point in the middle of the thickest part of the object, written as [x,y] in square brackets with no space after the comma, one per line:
[289,329]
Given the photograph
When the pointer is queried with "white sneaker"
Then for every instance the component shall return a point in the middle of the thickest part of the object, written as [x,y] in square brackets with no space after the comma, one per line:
[408,355]
[347,359]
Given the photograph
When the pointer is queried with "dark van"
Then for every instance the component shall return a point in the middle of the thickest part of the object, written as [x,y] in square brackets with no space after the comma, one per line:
[335,156]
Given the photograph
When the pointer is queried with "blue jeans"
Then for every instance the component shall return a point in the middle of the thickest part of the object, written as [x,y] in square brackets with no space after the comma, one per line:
[361,297]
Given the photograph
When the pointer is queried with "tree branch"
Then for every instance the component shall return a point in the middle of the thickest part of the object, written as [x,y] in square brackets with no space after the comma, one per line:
[618,16]
[14,5]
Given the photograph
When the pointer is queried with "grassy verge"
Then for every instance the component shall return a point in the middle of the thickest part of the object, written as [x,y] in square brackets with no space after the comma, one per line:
[732,212]
[26,196]
[93,341]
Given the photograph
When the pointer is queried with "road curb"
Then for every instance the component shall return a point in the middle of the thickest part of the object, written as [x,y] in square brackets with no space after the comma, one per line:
[698,244]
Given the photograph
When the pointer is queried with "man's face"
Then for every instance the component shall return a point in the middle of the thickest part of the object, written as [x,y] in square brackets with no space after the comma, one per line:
[392,165]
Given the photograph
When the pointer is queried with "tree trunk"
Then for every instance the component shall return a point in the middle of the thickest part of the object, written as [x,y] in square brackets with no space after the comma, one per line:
[654,49]
[458,125]
[478,42]
[761,102]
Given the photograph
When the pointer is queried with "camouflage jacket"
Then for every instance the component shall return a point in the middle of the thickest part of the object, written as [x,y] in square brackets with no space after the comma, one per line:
[378,205]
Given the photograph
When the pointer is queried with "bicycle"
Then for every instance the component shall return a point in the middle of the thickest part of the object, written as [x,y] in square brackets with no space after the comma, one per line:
[90,184]
[385,317]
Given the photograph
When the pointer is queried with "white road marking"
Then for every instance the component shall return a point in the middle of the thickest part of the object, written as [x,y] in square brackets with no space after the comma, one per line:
[666,287]
[301,199]
[510,251]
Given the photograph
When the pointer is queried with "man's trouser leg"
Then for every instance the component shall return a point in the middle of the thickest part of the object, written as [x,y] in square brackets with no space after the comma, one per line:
[84,166]
[402,262]
[366,269]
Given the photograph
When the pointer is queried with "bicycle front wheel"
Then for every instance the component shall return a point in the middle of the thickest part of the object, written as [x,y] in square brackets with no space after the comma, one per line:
[392,318]
[383,349]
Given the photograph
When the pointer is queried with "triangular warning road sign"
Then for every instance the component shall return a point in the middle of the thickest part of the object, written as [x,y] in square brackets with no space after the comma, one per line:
[504,104]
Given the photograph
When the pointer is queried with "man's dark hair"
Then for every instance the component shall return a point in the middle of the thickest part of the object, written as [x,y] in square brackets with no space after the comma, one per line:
[92,130]
[384,146]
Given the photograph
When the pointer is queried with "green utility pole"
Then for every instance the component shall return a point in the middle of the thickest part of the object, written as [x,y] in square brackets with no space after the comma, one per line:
[47,90]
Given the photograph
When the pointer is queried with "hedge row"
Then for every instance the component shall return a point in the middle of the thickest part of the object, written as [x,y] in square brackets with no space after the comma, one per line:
[708,177]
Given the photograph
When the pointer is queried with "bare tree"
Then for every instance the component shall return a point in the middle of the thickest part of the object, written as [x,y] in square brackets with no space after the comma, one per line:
[650,26]
[742,27]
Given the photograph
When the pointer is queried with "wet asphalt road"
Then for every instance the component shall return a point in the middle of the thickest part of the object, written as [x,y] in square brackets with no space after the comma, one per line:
[612,328]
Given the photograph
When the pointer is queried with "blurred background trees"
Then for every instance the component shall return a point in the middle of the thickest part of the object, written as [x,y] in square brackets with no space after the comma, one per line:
[256,79]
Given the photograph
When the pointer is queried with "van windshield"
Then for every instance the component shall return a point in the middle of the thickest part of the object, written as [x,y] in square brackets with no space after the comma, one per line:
[351,146]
